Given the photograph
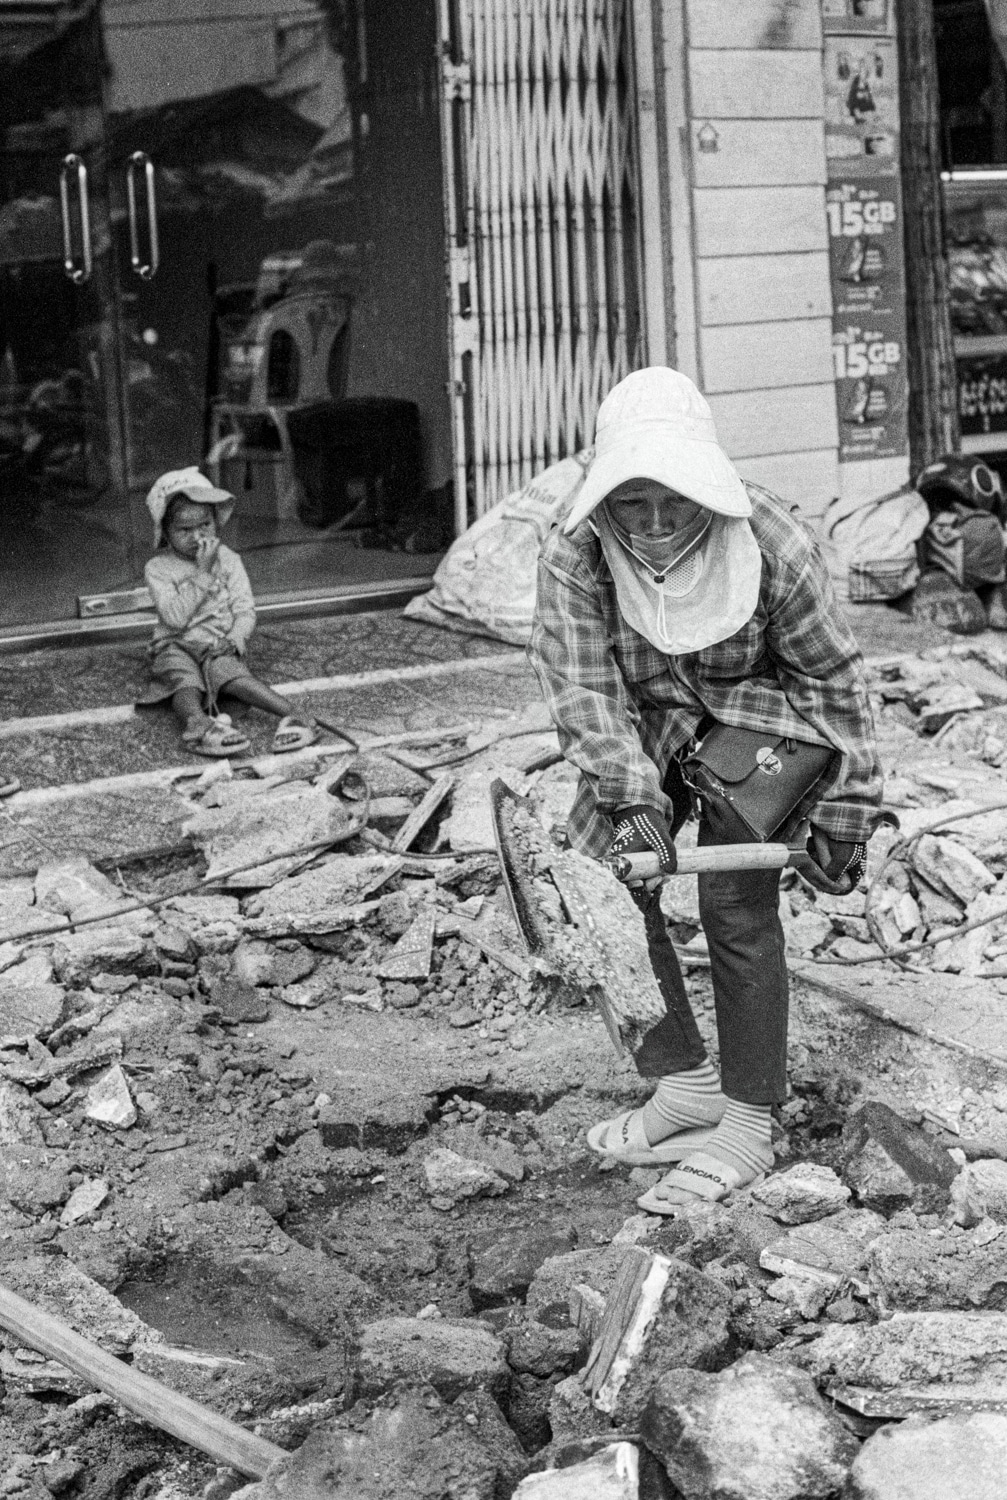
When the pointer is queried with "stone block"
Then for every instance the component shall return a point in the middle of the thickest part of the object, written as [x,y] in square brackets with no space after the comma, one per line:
[451,1355]
[502,1266]
[758,1430]
[802,1193]
[957,1458]
[890,1164]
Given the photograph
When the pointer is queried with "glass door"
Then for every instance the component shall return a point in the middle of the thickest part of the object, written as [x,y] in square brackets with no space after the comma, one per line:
[276,214]
[64,524]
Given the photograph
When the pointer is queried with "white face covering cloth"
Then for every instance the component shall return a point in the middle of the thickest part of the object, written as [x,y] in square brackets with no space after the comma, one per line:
[709,580]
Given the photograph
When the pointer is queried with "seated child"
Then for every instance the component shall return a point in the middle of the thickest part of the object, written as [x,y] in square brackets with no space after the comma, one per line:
[205,616]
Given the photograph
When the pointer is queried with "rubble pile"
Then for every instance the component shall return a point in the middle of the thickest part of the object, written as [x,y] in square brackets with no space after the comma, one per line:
[308,1146]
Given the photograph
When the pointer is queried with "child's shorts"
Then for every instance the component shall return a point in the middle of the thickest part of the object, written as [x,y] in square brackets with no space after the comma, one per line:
[172,668]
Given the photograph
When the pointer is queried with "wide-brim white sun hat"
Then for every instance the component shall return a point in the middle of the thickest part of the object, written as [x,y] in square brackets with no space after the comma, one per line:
[656,425]
[195,486]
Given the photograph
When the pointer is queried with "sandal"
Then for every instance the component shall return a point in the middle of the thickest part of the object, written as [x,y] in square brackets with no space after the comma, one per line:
[293,734]
[623,1140]
[8,785]
[217,741]
[704,1177]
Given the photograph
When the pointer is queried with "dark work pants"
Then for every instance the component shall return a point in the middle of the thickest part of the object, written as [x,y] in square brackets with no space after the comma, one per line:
[740,916]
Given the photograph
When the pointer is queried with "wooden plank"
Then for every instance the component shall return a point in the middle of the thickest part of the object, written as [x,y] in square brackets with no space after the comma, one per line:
[756,153]
[421,815]
[756,85]
[760,220]
[764,288]
[754,23]
[148,1399]
[753,356]
[808,480]
[781,421]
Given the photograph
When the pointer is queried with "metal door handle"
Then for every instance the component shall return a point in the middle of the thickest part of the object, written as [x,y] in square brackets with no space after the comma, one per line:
[78,273]
[145,269]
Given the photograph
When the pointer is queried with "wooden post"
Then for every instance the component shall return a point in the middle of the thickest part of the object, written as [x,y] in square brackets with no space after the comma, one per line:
[147,1399]
[933,385]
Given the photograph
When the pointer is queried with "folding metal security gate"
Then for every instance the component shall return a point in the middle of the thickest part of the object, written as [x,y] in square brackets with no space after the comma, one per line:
[542,214]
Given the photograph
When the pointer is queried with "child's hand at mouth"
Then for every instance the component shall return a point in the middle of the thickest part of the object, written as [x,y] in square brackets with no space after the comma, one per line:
[207,548]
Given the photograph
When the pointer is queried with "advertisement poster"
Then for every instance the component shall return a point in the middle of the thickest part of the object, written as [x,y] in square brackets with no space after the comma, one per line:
[861,105]
[868,320]
[982,395]
[870,17]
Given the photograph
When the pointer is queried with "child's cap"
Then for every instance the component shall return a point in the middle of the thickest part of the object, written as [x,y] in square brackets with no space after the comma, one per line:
[195,486]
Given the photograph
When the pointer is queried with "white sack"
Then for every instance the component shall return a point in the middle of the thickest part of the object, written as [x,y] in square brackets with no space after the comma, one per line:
[485,584]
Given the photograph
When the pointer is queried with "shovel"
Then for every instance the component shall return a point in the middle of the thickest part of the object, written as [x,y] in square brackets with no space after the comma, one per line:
[579,922]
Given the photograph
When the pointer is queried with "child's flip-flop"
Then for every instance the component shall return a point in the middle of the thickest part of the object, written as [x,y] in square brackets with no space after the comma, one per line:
[704,1176]
[293,734]
[8,785]
[623,1139]
[218,741]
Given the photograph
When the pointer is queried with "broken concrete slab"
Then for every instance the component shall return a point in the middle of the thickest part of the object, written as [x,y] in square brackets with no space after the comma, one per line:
[758,1429]
[212,923]
[911,1270]
[61,1288]
[322,899]
[661,1314]
[951,867]
[534,1349]
[412,955]
[826,1252]
[252,822]
[611,1474]
[802,1193]
[25,1372]
[453,1355]
[85,1200]
[451,1179]
[890,1164]
[412,1444]
[598,1267]
[957,1458]
[942,1352]
[109,1101]
[75,889]
[985,1184]
[503,1266]
[29,1010]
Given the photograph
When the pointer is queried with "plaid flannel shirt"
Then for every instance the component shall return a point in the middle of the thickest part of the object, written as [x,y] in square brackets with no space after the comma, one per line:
[623,708]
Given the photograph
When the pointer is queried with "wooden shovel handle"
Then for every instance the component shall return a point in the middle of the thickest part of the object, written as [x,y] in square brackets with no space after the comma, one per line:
[701,861]
[147,1398]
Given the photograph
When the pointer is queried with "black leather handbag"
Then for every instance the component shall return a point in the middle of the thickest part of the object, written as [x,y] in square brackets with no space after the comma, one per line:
[769,781]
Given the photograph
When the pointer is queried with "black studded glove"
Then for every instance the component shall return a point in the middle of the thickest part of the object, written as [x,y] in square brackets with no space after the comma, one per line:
[642,830]
[841,863]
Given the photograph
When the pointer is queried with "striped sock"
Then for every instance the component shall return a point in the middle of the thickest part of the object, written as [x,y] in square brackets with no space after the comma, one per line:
[744,1138]
[682,1101]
